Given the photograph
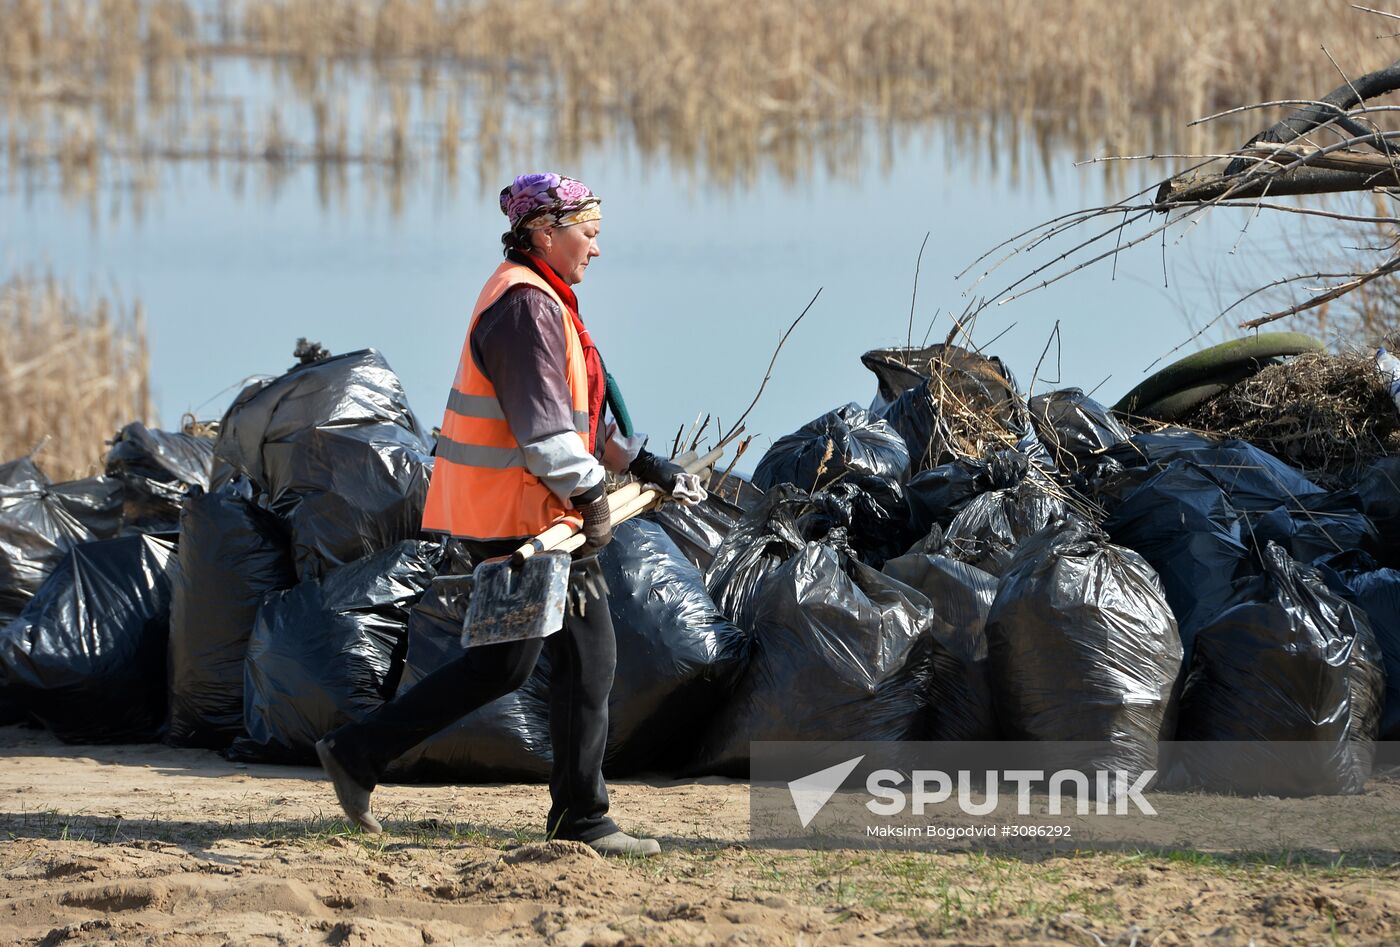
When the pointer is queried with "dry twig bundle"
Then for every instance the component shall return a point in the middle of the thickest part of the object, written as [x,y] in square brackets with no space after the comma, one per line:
[1328,415]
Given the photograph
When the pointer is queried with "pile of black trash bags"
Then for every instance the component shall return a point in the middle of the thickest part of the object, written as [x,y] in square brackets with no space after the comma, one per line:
[1182,604]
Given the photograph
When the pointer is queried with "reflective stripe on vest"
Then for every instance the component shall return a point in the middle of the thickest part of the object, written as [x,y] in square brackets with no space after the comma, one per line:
[481,488]
[484,406]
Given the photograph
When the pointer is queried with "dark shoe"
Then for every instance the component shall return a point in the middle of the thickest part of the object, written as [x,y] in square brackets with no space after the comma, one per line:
[620,843]
[354,798]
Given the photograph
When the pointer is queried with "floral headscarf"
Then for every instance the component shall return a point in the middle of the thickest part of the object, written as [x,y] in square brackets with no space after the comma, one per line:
[532,201]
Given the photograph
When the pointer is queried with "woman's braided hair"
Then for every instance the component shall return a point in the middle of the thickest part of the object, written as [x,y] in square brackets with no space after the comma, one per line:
[517,240]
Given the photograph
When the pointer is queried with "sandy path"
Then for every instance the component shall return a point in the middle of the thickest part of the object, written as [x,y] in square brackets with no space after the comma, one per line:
[151,845]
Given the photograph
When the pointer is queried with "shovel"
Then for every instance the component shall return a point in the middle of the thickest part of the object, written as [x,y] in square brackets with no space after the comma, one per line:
[523,596]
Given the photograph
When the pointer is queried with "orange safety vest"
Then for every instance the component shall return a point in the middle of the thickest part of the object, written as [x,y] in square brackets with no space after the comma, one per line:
[480,487]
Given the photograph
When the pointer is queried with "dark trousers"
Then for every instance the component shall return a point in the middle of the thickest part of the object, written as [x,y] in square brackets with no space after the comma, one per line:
[582,657]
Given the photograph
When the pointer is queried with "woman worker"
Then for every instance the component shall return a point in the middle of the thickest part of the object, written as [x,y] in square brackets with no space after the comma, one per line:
[525,444]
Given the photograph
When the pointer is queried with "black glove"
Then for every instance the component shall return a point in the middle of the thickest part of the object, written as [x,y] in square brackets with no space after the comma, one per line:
[586,584]
[657,470]
[597,524]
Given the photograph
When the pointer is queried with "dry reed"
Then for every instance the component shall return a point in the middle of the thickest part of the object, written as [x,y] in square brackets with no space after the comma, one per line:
[701,60]
[71,374]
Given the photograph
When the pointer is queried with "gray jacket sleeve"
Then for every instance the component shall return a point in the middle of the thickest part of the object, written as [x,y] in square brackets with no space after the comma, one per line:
[620,451]
[519,346]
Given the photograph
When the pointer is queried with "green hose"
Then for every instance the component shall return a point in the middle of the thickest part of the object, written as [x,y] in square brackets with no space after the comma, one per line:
[1183,384]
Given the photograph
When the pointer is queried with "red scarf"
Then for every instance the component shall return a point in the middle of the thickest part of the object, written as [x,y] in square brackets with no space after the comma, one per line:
[593,362]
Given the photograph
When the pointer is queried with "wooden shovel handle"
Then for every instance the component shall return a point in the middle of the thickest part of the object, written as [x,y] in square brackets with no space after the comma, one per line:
[623,504]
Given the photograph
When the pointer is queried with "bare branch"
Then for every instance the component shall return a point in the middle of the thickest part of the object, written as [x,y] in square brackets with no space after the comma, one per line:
[1393,16]
[1390,266]
[1312,212]
[913,297]
[1054,336]
[739,424]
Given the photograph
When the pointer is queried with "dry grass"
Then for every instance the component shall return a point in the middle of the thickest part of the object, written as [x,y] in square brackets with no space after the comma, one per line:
[729,86]
[698,62]
[733,84]
[1328,415]
[71,374]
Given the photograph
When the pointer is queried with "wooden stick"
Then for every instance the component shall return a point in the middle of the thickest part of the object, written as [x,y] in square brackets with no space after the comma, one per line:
[620,515]
[623,504]
[549,539]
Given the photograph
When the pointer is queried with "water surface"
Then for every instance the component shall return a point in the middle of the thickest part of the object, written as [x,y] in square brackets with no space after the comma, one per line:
[702,266]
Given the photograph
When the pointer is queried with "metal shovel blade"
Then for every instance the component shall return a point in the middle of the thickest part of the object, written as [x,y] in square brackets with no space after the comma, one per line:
[514,603]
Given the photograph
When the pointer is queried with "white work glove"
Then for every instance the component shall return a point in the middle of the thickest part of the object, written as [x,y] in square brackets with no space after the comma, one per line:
[689,490]
[670,477]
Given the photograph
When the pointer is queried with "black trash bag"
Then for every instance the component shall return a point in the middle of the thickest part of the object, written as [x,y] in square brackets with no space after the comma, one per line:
[335,450]
[897,370]
[939,494]
[699,530]
[840,652]
[232,553]
[912,401]
[1108,483]
[86,657]
[918,418]
[1289,673]
[506,740]
[1379,490]
[840,444]
[1083,648]
[157,469]
[1181,522]
[1317,525]
[1075,428]
[677,657]
[1377,593]
[363,490]
[762,541]
[1368,698]
[96,502]
[735,488]
[22,472]
[960,689]
[876,518]
[1253,479]
[40,522]
[1160,447]
[988,531]
[824,516]
[328,651]
[974,379]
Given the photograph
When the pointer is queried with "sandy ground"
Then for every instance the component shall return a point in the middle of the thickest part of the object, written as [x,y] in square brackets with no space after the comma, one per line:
[151,845]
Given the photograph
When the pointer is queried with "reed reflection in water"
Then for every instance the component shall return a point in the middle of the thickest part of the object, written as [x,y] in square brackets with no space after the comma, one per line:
[255,171]
[101,96]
